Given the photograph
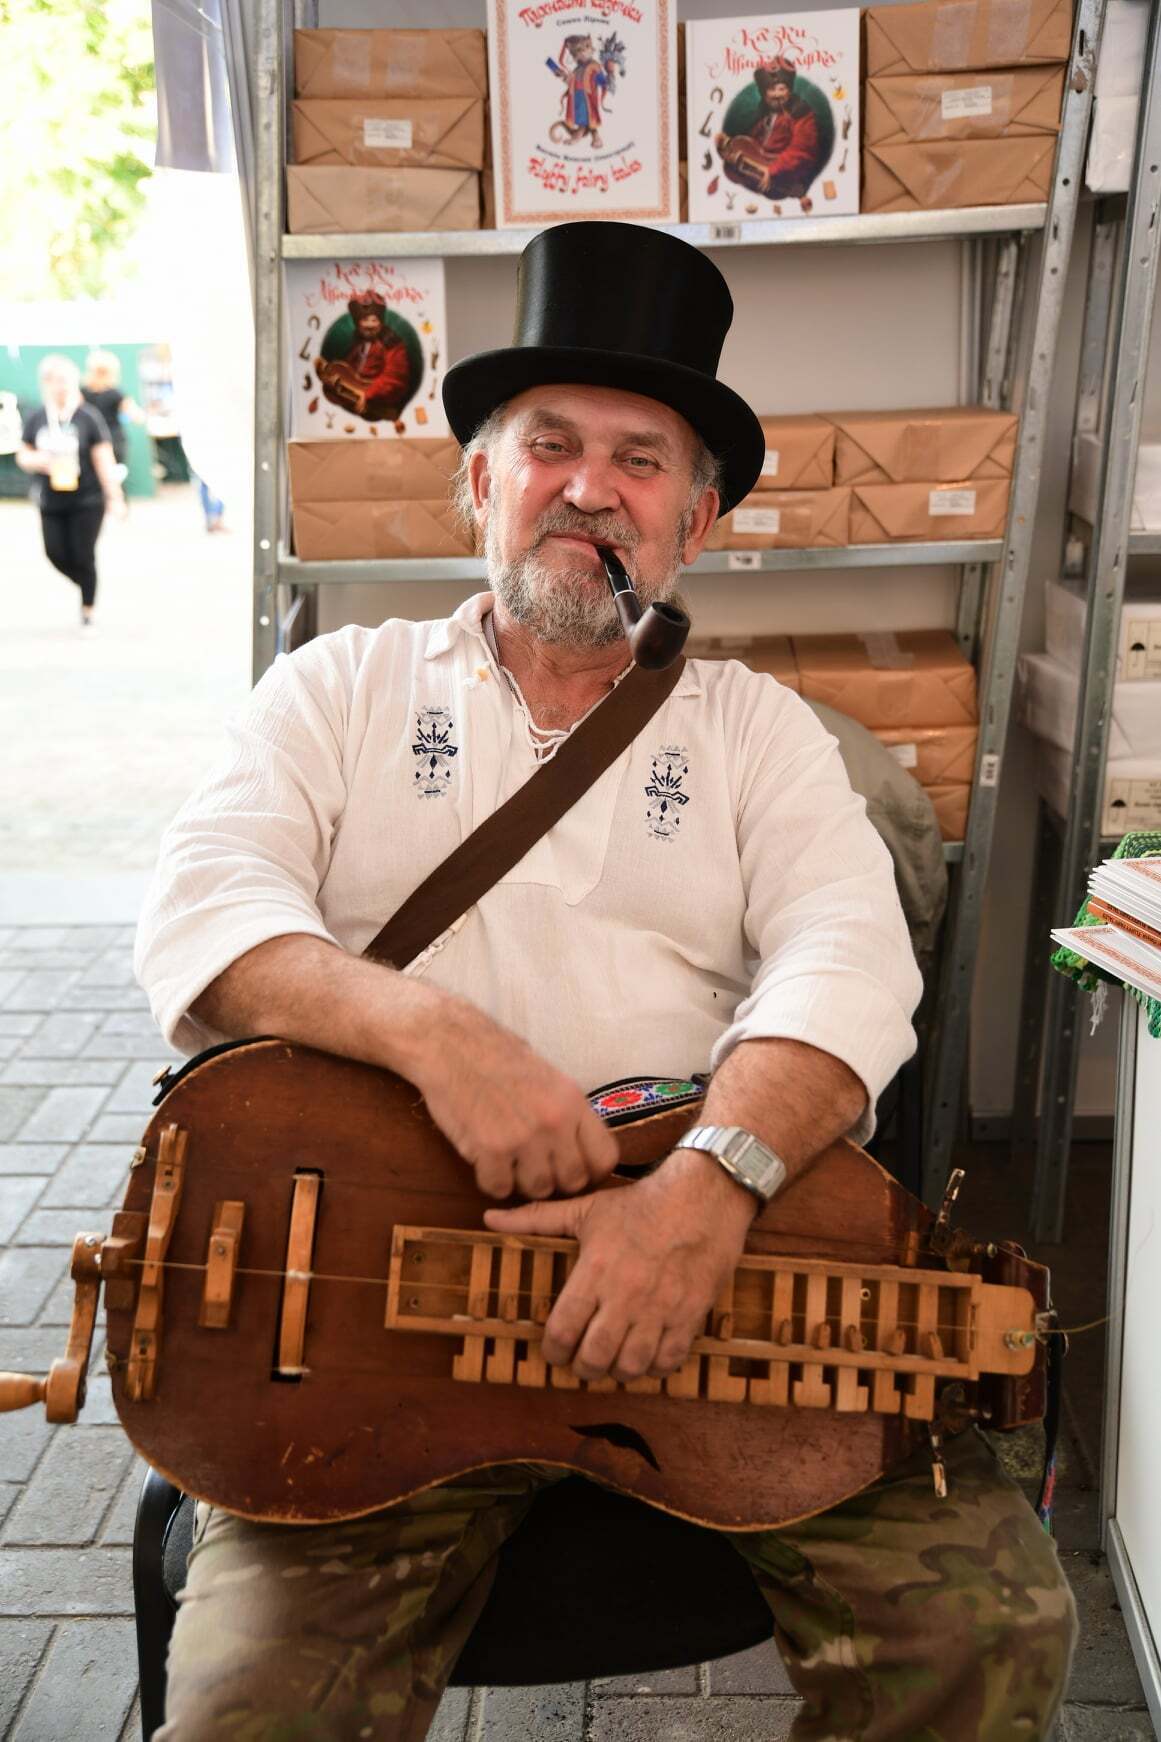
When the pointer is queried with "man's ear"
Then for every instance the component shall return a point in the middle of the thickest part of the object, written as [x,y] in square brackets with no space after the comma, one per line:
[700,525]
[480,479]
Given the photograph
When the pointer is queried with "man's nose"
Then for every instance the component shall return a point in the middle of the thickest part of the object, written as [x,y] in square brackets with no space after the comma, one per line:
[592,485]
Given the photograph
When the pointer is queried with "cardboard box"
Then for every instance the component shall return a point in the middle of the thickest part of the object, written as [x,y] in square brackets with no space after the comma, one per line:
[1084,482]
[770,654]
[407,469]
[916,677]
[1049,693]
[349,530]
[799,454]
[935,755]
[785,520]
[951,803]
[1138,635]
[390,132]
[390,63]
[941,173]
[324,201]
[944,445]
[1132,791]
[903,513]
[971,105]
[948,36]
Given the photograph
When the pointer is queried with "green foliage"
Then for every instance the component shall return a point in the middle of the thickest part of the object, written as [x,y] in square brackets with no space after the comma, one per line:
[81,125]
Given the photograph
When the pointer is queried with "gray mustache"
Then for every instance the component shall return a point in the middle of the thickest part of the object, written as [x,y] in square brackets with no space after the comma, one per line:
[599,527]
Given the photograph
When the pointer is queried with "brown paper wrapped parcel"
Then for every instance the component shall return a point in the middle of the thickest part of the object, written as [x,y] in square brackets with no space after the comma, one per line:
[799,454]
[905,513]
[785,520]
[390,132]
[411,469]
[390,63]
[937,36]
[326,201]
[908,678]
[973,105]
[936,174]
[943,444]
[935,755]
[770,654]
[342,531]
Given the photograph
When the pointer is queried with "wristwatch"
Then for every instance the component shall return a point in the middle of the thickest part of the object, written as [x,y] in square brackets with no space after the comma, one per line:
[745,1157]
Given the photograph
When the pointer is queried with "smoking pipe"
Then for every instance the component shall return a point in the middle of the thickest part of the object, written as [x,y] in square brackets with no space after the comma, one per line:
[656,636]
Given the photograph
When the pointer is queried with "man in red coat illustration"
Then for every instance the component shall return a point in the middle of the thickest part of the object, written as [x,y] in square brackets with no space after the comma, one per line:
[373,379]
[781,154]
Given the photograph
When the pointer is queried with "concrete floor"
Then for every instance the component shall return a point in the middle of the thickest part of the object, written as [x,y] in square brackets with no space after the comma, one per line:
[108,738]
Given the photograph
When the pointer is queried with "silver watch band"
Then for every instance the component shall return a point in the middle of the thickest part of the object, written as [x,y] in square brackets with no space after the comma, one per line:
[745,1157]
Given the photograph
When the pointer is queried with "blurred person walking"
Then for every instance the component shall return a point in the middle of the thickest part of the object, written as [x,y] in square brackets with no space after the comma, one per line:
[102,390]
[66,446]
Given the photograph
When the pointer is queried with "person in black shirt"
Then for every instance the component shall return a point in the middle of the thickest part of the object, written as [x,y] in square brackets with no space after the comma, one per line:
[102,390]
[67,448]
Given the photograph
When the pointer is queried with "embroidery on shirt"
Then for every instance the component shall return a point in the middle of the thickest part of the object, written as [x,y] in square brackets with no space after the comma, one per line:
[435,750]
[664,790]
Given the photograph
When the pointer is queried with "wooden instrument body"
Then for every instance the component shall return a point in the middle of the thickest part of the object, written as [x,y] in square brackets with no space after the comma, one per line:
[375,1415]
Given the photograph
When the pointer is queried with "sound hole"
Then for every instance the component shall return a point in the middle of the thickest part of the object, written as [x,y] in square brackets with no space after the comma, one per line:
[615,1433]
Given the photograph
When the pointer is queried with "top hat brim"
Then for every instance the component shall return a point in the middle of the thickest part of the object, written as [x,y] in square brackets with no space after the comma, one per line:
[475,388]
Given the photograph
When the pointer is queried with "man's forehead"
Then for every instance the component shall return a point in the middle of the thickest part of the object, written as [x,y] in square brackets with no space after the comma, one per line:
[600,412]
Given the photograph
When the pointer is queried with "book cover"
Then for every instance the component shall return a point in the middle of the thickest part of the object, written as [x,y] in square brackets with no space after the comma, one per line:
[368,347]
[584,110]
[772,116]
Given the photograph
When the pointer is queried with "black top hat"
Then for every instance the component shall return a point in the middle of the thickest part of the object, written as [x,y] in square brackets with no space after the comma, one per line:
[617,305]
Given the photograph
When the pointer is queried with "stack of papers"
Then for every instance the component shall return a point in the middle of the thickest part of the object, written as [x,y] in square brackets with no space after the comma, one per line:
[1127,894]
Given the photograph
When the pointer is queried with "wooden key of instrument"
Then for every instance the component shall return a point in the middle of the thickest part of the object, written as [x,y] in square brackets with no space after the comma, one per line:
[812,1391]
[469,1363]
[500,1368]
[533,1369]
[848,1393]
[775,1387]
[885,1398]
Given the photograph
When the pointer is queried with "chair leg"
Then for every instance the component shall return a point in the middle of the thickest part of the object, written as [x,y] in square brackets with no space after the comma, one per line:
[154,1610]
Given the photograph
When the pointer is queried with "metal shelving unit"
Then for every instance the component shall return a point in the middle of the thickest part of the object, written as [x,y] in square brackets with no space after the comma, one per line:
[1014,368]
[1122,286]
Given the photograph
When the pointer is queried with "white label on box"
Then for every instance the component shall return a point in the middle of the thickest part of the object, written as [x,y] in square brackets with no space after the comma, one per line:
[906,755]
[958,105]
[990,769]
[743,559]
[951,502]
[1131,804]
[725,232]
[386,135]
[757,520]
[770,463]
[1142,647]
[884,651]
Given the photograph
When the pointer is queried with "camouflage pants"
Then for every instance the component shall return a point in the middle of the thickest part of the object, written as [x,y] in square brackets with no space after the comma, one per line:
[901,1617]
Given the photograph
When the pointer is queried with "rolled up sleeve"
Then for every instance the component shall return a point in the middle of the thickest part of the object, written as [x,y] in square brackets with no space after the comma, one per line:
[244,859]
[835,967]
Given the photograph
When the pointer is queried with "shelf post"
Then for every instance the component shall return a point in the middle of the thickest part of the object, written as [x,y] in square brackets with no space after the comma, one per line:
[963,923]
[268,156]
[1108,558]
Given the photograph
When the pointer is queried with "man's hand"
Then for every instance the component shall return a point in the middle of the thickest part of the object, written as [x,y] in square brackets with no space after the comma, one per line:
[523,1125]
[654,1257]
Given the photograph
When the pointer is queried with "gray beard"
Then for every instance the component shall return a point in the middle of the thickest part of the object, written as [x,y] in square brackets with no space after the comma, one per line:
[561,608]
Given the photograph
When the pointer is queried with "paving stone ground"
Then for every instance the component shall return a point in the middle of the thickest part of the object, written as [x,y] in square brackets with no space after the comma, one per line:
[77,1052]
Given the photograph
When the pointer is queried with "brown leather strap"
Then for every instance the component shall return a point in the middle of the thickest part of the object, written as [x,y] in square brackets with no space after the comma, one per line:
[502,840]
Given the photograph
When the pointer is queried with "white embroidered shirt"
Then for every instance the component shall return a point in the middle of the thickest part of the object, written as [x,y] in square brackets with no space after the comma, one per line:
[719,882]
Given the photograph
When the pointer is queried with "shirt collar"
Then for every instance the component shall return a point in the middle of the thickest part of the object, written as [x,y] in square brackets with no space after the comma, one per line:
[468,620]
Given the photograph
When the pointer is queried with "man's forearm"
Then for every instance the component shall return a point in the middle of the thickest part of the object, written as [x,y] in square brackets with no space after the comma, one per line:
[303,989]
[795,1097]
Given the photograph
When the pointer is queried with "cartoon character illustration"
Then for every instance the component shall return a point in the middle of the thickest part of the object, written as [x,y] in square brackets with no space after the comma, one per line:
[777,134]
[371,359]
[589,78]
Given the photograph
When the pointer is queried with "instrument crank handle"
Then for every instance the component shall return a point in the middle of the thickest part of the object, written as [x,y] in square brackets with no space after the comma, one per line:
[62,1391]
[656,636]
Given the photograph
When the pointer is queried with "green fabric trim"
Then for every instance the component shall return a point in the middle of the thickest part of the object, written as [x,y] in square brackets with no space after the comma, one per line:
[1143,844]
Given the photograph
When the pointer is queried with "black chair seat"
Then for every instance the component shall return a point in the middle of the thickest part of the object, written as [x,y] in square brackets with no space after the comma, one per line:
[591,1584]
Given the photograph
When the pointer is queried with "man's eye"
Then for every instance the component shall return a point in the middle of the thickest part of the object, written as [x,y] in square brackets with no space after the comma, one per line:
[547,445]
[642,463]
